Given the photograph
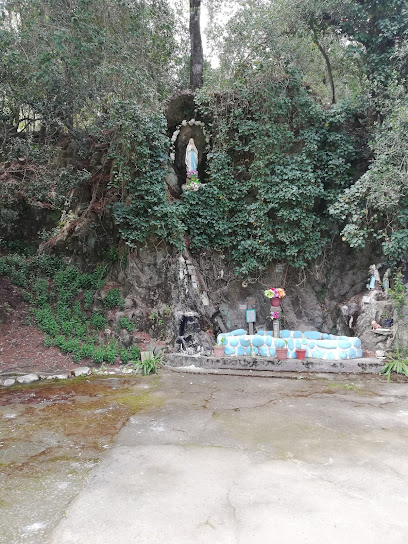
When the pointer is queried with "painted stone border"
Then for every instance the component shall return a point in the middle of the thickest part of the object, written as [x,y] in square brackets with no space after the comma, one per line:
[317,345]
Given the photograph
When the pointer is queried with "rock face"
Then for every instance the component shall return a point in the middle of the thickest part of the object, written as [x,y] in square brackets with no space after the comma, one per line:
[187,301]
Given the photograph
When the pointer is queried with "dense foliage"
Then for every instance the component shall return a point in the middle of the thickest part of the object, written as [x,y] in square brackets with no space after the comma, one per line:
[302,87]
[278,161]
[140,152]
[63,63]
[61,305]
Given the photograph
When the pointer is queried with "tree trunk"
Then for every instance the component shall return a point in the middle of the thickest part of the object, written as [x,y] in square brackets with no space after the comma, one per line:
[328,66]
[196,55]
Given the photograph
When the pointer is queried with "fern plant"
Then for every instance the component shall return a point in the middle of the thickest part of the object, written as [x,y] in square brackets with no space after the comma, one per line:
[398,363]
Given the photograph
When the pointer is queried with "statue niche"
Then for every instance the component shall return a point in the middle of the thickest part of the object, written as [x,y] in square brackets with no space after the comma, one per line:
[187,154]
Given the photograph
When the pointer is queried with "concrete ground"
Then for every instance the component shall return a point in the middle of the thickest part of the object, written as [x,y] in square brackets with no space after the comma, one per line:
[245,460]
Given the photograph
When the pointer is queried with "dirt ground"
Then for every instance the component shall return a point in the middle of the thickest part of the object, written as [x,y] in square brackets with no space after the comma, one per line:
[22,347]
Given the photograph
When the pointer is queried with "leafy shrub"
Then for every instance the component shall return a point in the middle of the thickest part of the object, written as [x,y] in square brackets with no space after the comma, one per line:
[46,264]
[40,289]
[46,321]
[5,268]
[60,342]
[72,345]
[58,312]
[124,355]
[398,294]
[86,350]
[98,354]
[88,299]
[113,299]
[134,353]
[126,323]
[98,321]
[111,352]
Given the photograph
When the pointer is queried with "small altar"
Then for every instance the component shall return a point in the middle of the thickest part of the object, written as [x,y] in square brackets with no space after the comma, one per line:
[317,345]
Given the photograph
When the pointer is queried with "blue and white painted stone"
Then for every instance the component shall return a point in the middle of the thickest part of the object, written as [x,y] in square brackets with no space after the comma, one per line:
[238,332]
[258,341]
[312,335]
[326,344]
[317,345]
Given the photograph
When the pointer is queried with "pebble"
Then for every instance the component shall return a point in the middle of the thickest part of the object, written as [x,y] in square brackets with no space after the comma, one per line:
[28,378]
[9,382]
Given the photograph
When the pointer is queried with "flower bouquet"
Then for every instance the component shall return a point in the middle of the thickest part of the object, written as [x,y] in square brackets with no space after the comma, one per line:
[275,294]
[193,183]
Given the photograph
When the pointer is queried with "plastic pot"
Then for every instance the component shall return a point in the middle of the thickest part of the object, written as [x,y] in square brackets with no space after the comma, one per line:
[281,353]
[218,351]
[300,354]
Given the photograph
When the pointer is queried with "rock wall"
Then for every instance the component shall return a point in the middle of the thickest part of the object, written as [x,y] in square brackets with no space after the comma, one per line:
[194,298]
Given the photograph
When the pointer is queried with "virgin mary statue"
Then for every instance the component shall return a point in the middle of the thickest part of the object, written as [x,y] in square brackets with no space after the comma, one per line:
[191,156]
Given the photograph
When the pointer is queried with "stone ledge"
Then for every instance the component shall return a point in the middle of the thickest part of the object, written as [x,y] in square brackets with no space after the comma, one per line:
[355,366]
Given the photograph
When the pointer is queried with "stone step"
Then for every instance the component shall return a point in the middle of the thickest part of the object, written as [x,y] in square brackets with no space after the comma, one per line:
[355,366]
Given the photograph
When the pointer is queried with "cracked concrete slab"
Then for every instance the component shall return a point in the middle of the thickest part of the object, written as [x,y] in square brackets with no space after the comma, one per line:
[225,459]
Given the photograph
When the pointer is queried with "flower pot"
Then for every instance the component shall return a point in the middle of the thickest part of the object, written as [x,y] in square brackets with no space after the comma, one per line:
[300,354]
[218,351]
[281,353]
[275,302]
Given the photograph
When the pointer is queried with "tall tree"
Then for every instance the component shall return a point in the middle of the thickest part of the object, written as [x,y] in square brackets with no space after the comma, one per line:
[67,60]
[196,56]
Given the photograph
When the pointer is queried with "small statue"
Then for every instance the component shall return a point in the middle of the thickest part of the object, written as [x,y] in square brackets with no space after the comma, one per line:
[191,156]
[375,325]
[375,278]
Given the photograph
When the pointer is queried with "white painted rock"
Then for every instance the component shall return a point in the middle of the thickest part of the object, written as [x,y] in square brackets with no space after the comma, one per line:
[82,371]
[9,382]
[127,371]
[28,378]
[62,376]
